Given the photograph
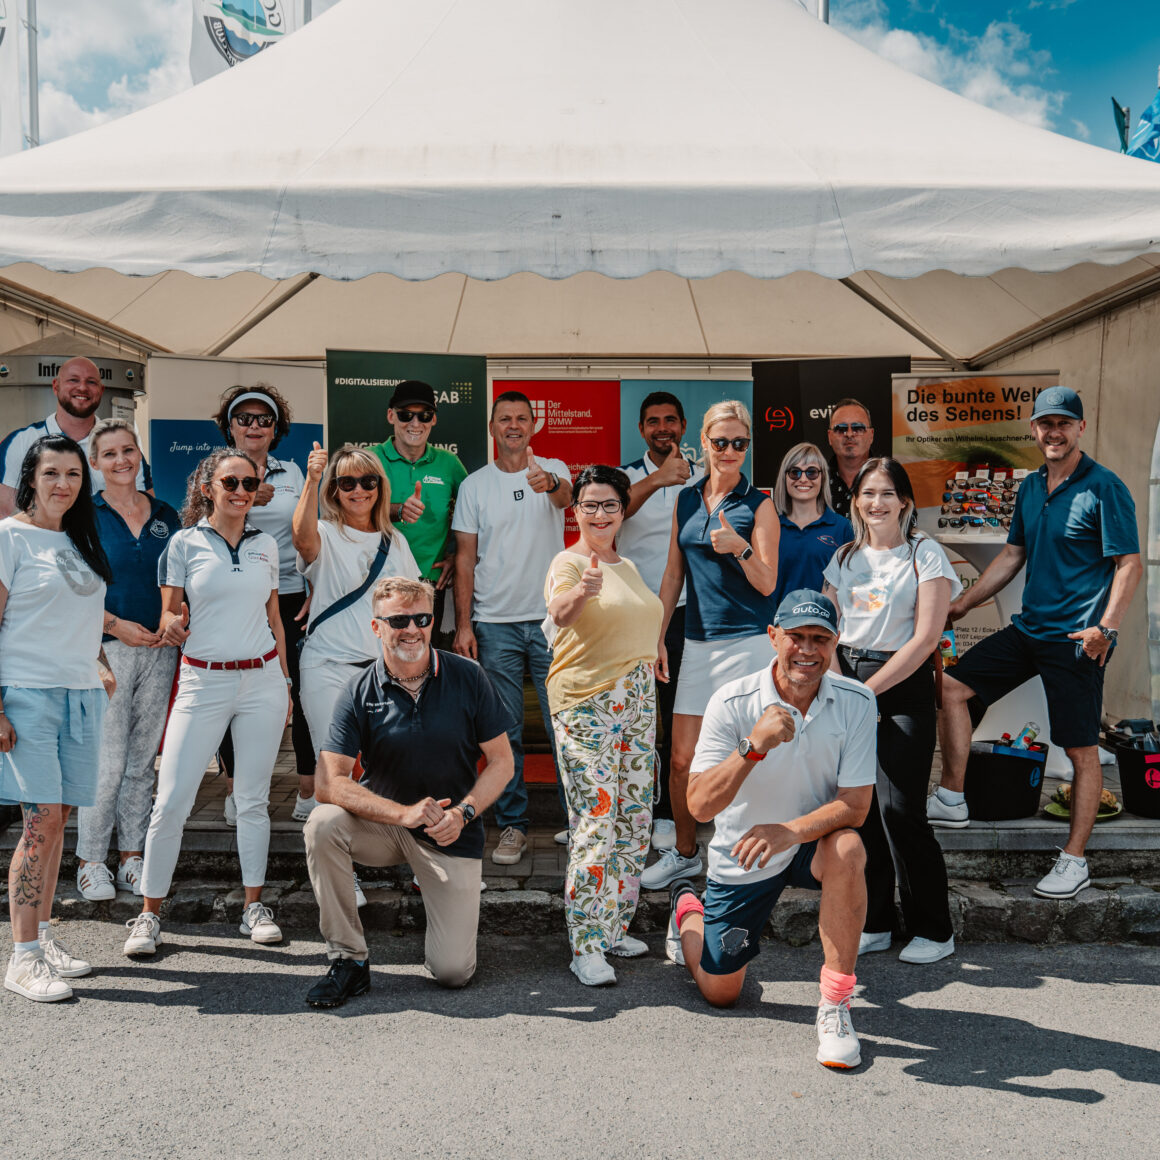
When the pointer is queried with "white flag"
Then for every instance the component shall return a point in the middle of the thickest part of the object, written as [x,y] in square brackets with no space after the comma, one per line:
[227,32]
[11,102]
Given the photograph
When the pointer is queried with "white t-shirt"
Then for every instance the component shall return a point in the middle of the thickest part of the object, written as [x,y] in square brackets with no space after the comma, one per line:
[226,590]
[834,747]
[275,518]
[877,590]
[520,531]
[51,631]
[343,561]
[644,537]
[15,447]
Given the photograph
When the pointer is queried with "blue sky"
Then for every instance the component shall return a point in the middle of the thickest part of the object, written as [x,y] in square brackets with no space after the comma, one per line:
[1052,63]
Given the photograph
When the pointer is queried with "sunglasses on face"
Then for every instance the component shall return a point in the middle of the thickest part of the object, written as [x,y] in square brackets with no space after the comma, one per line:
[591,506]
[853,428]
[249,418]
[400,620]
[811,473]
[405,416]
[350,482]
[737,444]
[250,482]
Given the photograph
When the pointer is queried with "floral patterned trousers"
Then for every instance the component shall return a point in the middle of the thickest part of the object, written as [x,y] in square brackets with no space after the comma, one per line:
[607,751]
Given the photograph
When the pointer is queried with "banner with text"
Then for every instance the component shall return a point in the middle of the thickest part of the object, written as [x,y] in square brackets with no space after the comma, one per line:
[228,32]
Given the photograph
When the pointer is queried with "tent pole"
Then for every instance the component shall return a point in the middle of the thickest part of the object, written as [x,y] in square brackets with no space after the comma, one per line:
[306,13]
[33,79]
[898,319]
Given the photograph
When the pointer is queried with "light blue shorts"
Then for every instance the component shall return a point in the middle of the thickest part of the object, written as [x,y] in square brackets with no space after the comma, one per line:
[58,746]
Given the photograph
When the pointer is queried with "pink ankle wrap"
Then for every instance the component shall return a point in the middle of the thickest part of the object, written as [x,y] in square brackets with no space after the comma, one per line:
[835,987]
[686,903]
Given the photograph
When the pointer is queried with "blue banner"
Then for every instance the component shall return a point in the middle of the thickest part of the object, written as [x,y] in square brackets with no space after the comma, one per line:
[1145,142]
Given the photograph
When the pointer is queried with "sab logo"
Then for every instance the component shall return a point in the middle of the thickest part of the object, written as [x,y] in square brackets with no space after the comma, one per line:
[779,418]
[240,29]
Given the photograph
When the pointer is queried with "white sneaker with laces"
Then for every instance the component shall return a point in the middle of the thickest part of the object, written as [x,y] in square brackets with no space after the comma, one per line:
[360,899]
[925,950]
[838,1046]
[670,866]
[873,940]
[664,835]
[629,947]
[302,807]
[1065,879]
[144,934]
[258,922]
[230,811]
[593,970]
[95,882]
[30,975]
[129,875]
[947,817]
[560,837]
[62,963]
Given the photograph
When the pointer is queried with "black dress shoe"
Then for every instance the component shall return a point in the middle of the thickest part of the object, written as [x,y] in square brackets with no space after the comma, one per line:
[345,979]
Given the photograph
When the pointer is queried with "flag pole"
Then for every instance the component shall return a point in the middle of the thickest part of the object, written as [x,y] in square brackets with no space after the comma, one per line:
[306,15]
[824,11]
[33,79]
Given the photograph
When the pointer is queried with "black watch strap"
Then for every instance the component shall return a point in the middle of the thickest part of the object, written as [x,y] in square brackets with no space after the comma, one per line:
[467,810]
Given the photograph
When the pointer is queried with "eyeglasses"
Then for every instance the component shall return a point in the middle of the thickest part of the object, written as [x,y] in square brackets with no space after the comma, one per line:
[811,473]
[591,506]
[854,428]
[405,416]
[402,619]
[736,444]
[249,418]
[250,482]
[350,482]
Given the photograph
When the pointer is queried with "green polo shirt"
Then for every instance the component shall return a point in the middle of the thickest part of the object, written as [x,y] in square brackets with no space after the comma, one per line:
[440,473]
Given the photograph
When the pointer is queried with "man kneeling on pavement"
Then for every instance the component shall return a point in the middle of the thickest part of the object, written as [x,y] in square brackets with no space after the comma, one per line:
[785,765]
[420,718]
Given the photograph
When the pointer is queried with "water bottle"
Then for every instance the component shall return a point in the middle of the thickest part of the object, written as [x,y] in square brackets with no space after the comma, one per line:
[1151,743]
[1026,735]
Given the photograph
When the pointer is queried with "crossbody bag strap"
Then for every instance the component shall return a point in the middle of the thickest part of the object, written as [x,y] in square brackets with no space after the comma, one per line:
[936,659]
[344,602]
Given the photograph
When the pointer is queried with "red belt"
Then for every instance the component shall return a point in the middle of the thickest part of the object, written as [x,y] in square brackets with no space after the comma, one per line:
[256,663]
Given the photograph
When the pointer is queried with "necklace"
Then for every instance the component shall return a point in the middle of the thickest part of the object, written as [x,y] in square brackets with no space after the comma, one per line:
[410,680]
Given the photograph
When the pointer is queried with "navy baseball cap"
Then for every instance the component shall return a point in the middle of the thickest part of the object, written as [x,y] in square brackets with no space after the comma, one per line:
[1058,401]
[415,392]
[806,606]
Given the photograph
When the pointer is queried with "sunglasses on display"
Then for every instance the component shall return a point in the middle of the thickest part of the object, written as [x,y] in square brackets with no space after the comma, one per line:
[402,619]
[992,521]
[944,522]
[736,444]
[251,483]
[955,496]
[853,428]
[249,418]
[952,509]
[405,416]
[591,506]
[350,482]
[811,473]
[975,521]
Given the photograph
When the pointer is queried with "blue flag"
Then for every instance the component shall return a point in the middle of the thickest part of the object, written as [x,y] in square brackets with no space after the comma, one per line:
[1145,141]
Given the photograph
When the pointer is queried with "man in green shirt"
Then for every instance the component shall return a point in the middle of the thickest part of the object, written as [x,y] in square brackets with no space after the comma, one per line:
[424,483]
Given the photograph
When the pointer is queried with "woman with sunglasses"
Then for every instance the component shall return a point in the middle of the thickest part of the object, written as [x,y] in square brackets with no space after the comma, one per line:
[892,586]
[255,420]
[810,529]
[219,604]
[604,622]
[724,543]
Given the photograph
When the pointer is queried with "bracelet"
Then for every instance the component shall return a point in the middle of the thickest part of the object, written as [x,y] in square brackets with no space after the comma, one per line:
[107,627]
[289,681]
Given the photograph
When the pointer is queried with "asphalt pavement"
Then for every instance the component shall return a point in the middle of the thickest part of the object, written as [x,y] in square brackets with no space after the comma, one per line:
[209,1051]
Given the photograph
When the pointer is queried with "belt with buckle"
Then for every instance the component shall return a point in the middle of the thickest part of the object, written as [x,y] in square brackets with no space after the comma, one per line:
[232,666]
[864,654]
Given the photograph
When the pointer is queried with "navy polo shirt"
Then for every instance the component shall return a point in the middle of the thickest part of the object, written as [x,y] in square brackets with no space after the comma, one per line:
[133,593]
[1071,537]
[803,553]
[429,747]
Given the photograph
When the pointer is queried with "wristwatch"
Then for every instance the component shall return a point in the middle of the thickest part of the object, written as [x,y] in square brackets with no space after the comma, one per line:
[745,748]
[1109,634]
[555,486]
[467,810]
[743,556]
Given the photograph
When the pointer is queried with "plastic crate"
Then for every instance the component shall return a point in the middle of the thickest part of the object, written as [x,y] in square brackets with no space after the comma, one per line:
[1005,783]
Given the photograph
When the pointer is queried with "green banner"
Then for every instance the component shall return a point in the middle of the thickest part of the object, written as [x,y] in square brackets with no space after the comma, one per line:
[359,384]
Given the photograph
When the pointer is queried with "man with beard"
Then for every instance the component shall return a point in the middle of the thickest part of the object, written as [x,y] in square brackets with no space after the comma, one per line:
[421,718]
[78,391]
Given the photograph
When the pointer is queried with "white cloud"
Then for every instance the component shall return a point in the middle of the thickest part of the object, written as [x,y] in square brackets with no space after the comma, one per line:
[1081,130]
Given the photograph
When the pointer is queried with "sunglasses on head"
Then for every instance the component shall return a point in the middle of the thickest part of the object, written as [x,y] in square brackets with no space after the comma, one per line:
[811,473]
[842,428]
[250,482]
[402,619]
[591,506]
[249,418]
[737,444]
[405,416]
[350,482]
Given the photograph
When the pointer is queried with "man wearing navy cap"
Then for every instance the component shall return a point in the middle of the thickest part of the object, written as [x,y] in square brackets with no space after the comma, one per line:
[1074,527]
[785,766]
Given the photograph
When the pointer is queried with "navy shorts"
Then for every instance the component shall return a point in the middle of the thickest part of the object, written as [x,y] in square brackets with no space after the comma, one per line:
[736,913]
[1074,684]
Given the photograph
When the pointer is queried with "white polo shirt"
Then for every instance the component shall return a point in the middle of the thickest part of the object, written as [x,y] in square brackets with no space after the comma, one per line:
[520,531]
[15,447]
[644,536]
[834,747]
[226,590]
[275,518]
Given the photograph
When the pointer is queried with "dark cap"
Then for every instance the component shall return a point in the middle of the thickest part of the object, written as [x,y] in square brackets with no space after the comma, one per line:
[806,606]
[1058,401]
[413,391]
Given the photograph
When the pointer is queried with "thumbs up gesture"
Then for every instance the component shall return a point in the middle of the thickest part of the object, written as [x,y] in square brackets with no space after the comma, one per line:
[725,540]
[413,506]
[675,469]
[316,463]
[176,631]
[592,579]
[538,478]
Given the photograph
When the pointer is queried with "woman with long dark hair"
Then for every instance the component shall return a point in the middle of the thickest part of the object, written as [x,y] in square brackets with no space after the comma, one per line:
[893,585]
[53,574]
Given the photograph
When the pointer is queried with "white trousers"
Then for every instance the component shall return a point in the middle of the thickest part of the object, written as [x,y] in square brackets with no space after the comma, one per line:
[253,704]
[319,691]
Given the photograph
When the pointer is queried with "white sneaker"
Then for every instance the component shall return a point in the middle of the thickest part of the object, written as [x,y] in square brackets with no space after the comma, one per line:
[1065,879]
[511,847]
[62,963]
[302,807]
[838,1046]
[144,934]
[873,940]
[925,950]
[664,835]
[670,866]
[674,952]
[629,947]
[30,975]
[129,875]
[258,922]
[593,970]
[231,811]
[360,899]
[560,838]
[946,817]
[95,882]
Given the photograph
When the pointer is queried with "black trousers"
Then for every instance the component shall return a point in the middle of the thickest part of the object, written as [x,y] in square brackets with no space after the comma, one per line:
[666,697]
[900,844]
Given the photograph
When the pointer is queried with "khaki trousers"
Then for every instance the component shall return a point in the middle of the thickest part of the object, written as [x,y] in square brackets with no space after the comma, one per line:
[335,839]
